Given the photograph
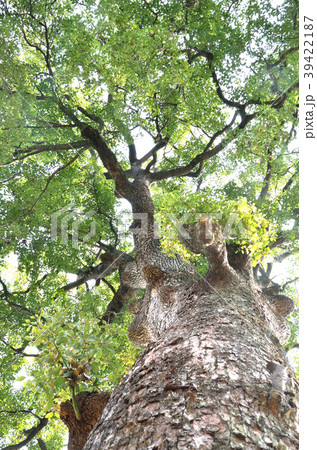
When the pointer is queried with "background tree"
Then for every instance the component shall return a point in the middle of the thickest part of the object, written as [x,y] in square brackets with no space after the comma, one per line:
[188,112]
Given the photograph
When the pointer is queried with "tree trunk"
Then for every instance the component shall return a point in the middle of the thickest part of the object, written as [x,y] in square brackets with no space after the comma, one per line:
[90,406]
[215,377]
[214,373]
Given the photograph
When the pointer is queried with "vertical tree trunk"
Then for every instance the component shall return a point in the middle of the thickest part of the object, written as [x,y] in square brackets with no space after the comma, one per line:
[216,378]
[214,374]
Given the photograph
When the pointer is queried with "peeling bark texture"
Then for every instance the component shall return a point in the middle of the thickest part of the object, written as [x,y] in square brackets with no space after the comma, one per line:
[214,373]
[90,405]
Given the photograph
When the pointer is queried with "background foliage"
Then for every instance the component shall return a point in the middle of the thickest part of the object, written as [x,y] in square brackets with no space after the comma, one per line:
[165,75]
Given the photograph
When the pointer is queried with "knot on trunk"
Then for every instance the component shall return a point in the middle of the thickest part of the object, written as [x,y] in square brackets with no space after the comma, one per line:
[132,276]
[153,275]
[90,406]
[202,236]
[141,332]
[282,305]
[92,134]
[206,237]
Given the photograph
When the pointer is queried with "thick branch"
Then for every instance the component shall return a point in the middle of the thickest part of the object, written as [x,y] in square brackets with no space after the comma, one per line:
[45,148]
[92,117]
[109,160]
[6,296]
[130,280]
[221,95]
[111,262]
[153,151]
[283,56]
[198,172]
[132,154]
[120,299]
[246,118]
[52,147]
[49,179]
[184,170]
[30,435]
[279,241]
[276,103]
[265,279]
[90,406]
[267,179]
[81,125]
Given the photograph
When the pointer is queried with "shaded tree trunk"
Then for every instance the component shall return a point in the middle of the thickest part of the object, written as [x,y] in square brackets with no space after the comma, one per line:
[216,375]
[90,406]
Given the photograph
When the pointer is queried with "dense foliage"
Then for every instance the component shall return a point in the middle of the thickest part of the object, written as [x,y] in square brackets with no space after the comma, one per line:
[205,93]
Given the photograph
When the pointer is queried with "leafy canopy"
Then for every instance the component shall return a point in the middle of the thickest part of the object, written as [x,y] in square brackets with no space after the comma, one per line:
[205,92]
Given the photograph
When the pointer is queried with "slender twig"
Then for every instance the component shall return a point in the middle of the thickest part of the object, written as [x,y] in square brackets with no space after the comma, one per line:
[49,179]
[6,84]
[289,182]
[20,411]
[52,147]
[289,282]
[5,296]
[109,285]
[267,178]
[10,178]
[75,406]
[19,351]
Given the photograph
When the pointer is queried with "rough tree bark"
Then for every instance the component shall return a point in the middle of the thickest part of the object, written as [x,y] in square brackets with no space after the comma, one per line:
[90,406]
[216,379]
[214,373]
